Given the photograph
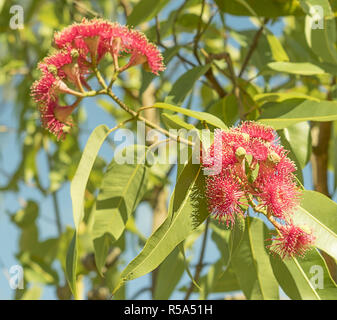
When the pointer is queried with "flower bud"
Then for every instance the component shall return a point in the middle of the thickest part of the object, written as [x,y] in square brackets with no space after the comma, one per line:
[74,53]
[240,153]
[52,69]
[273,157]
[72,71]
[62,113]
[60,86]
[92,44]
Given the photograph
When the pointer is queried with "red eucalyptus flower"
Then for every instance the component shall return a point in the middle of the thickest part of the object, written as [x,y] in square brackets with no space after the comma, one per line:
[98,37]
[293,241]
[247,164]
[81,47]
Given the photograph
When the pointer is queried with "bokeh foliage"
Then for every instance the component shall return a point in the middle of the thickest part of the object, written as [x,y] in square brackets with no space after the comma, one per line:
[276,69]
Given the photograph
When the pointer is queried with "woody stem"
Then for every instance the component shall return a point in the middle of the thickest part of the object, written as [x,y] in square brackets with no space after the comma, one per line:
[106,90]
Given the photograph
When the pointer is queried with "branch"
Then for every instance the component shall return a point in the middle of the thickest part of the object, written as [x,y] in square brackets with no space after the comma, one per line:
[198,34]
[55,202]
[236,89]
[252,48]
[200,264]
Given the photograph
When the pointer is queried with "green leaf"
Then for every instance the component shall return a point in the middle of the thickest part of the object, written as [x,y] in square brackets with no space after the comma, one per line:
[217,280]
[79,182]
[123,186]
[185,83]
[38,271]
[319,213]
[334,153]
[102,245]
[77,190]
[46,250]
[283,114]
[262,98]
[186,212]
[26,216]
[145,10]
[299,138]
[230,109]
[147,77]
[33,293]
[251,263]
[301,68]
[263,8]
[228,240]
[186,265]
[276,48]
[292,154]
[173,121]
[321,40]
[221,238]
[202,116]
[305,278]
[71,265]
[169,274]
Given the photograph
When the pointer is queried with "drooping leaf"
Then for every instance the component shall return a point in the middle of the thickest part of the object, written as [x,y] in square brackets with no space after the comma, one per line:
[185,83]
[276,48]
[202,116]
[301,68]
[71,265]
[321,39]
[173,121]
[145,10]
[217,280]
[299,138]
[263,8]
[262,98]
[169,274]
[122,188]
[304,278]
[319,213]
[81,177]
[186,212]
[33,293]
[283,114]
[251,263]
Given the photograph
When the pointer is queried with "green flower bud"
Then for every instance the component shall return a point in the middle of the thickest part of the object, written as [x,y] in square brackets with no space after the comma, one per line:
[52,69]
[74,53]
[274,157]
[240,153]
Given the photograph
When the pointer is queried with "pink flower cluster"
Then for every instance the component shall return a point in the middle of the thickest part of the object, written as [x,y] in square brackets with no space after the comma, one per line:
[248,166]
[80,47]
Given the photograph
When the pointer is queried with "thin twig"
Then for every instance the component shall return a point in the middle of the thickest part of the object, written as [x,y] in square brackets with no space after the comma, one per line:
[252,48]
[200,264]
[55,202]
[147,122]
[236,89]
[198,34]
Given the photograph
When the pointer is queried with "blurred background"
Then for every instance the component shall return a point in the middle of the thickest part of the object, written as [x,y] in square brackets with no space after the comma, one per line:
[36,222]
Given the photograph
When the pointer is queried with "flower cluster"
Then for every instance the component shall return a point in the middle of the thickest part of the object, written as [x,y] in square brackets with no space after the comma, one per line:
[80,47]
[246,165]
